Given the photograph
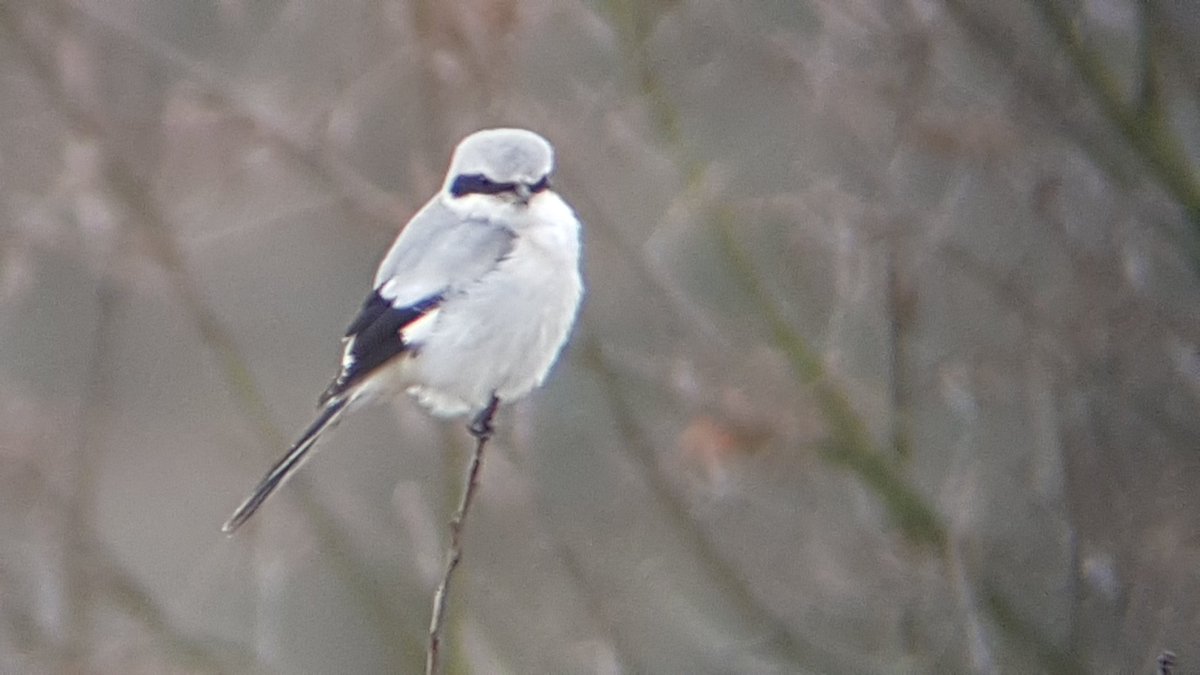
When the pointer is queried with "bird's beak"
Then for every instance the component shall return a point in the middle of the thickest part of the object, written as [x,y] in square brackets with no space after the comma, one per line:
[523,193]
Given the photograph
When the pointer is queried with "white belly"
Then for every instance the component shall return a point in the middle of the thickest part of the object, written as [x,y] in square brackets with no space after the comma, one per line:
[502,335]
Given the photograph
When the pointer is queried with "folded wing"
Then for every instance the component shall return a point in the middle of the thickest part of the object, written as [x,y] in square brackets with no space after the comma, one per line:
[435,257]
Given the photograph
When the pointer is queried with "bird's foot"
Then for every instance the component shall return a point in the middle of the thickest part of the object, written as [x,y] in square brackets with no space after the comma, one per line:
[481,427]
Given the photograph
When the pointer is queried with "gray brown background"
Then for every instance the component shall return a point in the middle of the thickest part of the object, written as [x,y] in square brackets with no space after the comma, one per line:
[889,363]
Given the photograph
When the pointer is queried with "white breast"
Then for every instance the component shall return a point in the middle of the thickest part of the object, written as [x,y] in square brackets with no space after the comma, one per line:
[504,333]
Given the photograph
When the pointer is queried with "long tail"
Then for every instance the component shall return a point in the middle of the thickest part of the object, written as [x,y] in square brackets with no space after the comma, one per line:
[286,465]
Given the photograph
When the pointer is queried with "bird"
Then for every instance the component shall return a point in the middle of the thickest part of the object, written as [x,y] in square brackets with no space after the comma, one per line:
[470,306]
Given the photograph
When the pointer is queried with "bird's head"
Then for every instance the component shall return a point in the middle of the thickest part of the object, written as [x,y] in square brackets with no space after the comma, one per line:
[504,165]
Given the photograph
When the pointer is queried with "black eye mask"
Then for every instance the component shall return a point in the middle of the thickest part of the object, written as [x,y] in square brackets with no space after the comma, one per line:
[478,184]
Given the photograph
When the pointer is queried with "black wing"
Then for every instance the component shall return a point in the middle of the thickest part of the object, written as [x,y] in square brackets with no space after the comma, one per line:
[375,337]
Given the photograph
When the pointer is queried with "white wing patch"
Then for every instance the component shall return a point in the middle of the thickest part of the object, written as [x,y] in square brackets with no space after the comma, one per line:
[419,330]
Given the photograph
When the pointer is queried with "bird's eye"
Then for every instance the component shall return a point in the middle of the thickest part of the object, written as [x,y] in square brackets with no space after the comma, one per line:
[543,184]
[478,184]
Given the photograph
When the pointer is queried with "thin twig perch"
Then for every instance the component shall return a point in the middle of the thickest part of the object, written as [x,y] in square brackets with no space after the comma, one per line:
[481,429]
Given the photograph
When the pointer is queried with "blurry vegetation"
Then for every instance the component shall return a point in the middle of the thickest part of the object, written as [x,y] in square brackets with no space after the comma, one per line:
[890,360]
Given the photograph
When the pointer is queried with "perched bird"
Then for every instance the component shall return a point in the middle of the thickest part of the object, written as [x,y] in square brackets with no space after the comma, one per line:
[472,304]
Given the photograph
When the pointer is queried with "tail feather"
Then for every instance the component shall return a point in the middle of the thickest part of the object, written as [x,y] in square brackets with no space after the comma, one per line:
[286,465]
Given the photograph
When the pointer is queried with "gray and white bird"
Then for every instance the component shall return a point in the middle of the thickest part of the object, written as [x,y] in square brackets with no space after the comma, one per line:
[472,304]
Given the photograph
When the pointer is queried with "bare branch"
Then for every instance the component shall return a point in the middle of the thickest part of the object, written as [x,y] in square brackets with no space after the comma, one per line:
[481,429]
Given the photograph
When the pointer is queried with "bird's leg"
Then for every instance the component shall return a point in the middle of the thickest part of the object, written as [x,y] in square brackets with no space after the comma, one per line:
[481,427]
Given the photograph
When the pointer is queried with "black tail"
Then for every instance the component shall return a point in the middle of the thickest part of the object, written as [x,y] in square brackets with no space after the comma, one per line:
[286,465]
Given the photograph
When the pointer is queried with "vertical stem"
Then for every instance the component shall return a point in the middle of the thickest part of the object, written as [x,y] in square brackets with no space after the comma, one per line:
[481,429]
[899,310]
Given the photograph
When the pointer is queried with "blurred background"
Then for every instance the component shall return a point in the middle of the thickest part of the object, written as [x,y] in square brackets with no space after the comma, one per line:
[890,361]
